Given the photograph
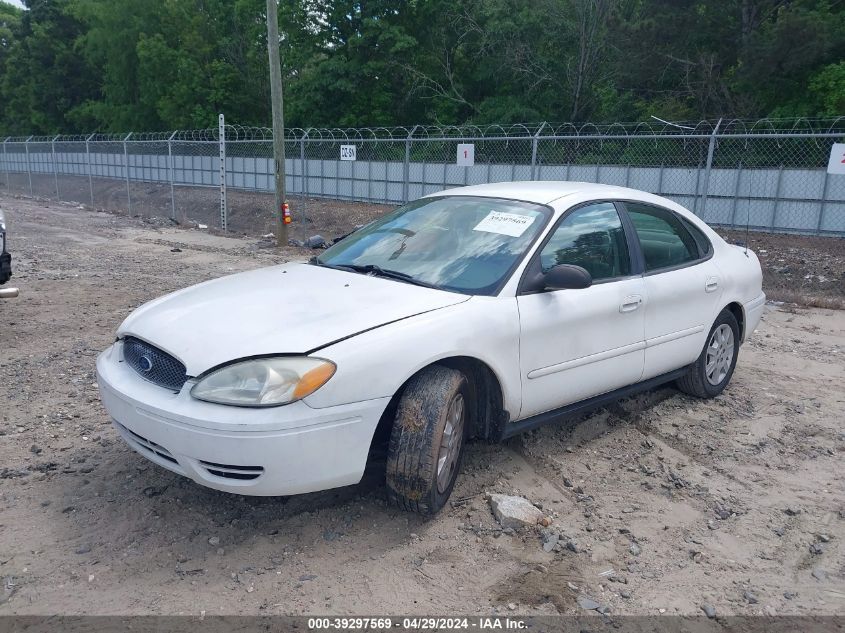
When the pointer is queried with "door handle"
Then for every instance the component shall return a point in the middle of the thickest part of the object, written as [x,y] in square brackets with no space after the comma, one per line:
[631,303]
[711,285]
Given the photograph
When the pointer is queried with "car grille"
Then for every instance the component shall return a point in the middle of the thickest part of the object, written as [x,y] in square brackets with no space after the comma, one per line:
[233,472]
[152,364]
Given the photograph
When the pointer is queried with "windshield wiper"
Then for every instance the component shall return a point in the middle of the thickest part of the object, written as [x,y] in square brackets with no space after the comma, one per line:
[377,271]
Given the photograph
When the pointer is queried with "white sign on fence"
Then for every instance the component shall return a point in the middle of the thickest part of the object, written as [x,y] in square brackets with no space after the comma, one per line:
[348,152]
[836,164]
[466,154]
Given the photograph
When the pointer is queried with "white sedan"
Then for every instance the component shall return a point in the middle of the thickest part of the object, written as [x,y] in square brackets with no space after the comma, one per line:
[478,312]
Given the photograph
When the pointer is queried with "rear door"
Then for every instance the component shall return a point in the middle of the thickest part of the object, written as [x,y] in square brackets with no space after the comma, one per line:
[575,344]
[682,287]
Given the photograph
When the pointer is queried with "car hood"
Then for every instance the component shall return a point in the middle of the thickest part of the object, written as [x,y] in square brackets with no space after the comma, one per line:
[287,309]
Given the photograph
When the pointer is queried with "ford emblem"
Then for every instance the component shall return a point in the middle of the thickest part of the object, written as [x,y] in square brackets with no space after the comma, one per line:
[145,363]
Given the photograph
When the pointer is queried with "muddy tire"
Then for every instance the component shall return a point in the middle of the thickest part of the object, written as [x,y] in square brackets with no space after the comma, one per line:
[427,440]
[713,369]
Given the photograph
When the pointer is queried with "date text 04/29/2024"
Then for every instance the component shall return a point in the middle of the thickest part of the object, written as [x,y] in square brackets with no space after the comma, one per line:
[418,623]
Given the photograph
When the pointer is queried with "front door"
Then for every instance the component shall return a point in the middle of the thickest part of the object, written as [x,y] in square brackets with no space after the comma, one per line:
[575,344]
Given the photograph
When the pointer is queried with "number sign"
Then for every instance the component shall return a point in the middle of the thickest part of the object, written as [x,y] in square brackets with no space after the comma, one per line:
[466,154]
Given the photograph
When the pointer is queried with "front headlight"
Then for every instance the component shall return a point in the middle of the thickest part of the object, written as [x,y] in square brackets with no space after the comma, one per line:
[265,382]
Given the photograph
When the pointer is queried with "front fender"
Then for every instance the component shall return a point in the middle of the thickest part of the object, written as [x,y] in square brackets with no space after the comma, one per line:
[375,364]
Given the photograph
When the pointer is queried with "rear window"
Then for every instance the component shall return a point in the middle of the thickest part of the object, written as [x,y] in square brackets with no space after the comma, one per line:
[704,244]
[664,240]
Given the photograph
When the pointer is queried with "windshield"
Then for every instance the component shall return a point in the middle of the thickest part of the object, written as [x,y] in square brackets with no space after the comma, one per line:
[460,243]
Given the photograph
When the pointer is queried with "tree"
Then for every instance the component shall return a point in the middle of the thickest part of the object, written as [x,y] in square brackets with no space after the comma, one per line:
[174,63]
[10,21]
[787,53]
[118,65]
[347,59]
[43,76]
[827,88]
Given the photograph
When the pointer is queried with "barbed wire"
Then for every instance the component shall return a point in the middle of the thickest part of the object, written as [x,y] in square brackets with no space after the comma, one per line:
[619,130]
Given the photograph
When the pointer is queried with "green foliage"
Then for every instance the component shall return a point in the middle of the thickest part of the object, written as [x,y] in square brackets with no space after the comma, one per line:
[787,53]
[119,65]
[827,88]
[42,74]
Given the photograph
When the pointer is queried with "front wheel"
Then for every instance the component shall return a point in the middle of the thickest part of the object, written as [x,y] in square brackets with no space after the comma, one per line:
[712,371]
[427,440]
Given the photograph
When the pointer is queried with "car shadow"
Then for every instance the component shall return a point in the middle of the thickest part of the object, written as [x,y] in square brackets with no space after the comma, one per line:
[111,496]
[590,425]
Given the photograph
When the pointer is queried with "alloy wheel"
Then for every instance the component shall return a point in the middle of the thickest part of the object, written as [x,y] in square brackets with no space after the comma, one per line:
[720,354]
[450,443]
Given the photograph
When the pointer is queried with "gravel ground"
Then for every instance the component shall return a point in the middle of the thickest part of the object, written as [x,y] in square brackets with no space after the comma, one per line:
[661,504]
[802,269]
[250,213]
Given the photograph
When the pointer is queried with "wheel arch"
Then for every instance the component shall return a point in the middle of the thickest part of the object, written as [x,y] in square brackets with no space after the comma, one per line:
[489,414]
[737,309]
[487,398]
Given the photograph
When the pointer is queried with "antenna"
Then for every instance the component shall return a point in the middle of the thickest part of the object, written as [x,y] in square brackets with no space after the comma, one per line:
[747,222]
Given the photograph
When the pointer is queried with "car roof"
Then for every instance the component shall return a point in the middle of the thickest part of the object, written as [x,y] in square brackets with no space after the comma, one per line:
[541,191]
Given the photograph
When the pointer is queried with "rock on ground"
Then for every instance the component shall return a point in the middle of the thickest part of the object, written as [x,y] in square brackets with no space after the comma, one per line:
[514,512]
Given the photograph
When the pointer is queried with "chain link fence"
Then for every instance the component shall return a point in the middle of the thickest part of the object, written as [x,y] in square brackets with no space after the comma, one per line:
[769,174]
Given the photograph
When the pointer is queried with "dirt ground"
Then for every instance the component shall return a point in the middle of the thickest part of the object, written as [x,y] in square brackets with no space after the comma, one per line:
[665,503]
[249,213]
[803,269]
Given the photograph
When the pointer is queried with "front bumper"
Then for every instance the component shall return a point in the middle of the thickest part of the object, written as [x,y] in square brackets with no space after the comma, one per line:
[284,450]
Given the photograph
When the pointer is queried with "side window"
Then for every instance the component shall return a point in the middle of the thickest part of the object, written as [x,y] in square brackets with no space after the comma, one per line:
[704,245]
[664,240]
[591,237]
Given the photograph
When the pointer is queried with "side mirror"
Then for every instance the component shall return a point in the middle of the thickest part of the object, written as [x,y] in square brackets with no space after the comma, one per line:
[566,277]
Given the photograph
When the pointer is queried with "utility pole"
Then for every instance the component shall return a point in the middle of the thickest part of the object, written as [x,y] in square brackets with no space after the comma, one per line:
[282,218]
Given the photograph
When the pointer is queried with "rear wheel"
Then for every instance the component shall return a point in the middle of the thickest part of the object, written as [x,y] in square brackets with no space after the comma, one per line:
[713,369]
[427,440]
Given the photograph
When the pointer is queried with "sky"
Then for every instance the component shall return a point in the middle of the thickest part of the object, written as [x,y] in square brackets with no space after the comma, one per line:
[17,3]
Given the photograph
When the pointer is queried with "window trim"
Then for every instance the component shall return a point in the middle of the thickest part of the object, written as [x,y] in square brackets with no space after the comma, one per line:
[683,222]
[534,265]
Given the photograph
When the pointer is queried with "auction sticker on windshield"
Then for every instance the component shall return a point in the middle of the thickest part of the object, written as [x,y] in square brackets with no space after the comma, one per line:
[504,223]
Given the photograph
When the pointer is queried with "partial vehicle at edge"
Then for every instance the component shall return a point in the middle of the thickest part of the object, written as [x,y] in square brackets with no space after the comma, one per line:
[5,256]
[5,262]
